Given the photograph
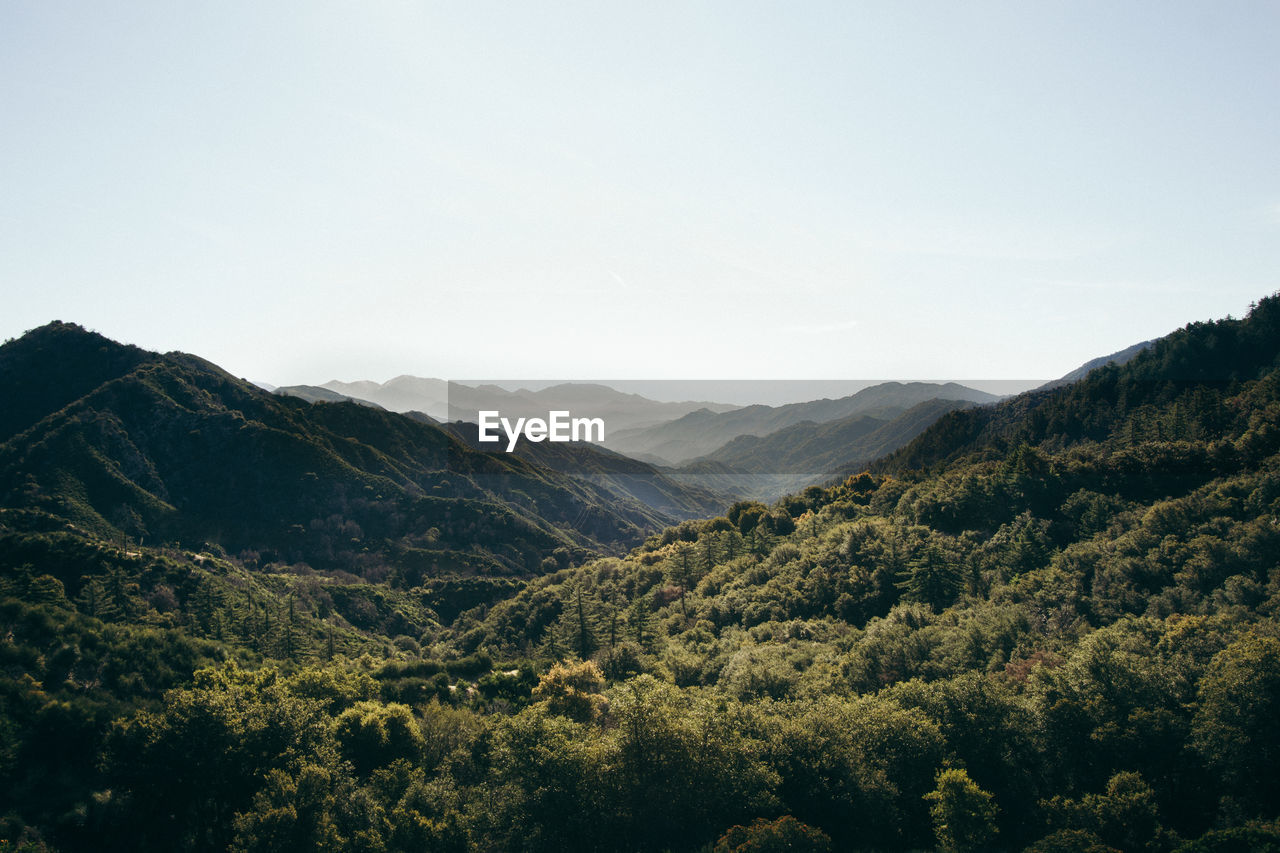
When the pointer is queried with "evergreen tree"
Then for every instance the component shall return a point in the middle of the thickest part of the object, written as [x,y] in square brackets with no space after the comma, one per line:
[964,815]
[586,637]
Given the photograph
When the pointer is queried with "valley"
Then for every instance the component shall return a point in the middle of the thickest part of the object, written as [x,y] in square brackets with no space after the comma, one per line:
[233,619]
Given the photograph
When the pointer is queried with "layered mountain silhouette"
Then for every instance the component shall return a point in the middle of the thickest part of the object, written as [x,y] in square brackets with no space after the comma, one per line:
[624,476]
[805,454]
[319,394]
[133,444]
[683,459]
[703,432]
[457,401]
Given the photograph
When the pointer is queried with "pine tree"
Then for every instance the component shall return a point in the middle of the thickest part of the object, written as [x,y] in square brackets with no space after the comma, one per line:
[613,623]
[586,639]
[91,598]
[682,570]
[553,648]
[708,553]
[638,618]
[932,578]
[289,638]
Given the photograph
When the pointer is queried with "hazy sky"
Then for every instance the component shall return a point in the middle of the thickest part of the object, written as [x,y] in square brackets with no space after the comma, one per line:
[317,190]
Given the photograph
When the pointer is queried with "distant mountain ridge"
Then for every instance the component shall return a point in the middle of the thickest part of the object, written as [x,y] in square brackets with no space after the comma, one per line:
[808,454]
[319,394]
[819,448]
[703,432]
[400,394]
[1124,356]
[622,475]
[456,401]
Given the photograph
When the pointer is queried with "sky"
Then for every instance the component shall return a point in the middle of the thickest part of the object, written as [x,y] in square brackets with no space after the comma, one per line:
[305,191]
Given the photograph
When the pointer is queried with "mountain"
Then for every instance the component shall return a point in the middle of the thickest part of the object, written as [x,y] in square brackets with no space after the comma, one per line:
[1045,624]
[704,431]
[453,401]
[627,478]
[1171,391]
[1121,357]
[70,364]
[401,394]
[1071,595]
[812,450]
[126,443]
[318,394]
[805,454]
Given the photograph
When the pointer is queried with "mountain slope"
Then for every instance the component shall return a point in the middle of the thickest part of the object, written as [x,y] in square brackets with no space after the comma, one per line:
[51,367]
[1124,356]
[1173,390]
[400,394]
[1083,623]
[806,454]
[816,449]
[702,432]
[627,478]
[172,448]
[319,394]
[1066,645]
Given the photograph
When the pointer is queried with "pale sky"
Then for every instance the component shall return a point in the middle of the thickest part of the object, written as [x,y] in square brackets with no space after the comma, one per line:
[790,190]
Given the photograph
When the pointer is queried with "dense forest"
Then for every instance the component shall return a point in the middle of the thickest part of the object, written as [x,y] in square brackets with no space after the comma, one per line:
[1046,624]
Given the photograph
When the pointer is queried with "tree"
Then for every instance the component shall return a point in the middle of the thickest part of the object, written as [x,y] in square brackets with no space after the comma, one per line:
[638,616]
[1123,816]
[586,636]
[784,835]
[372,735]
[1237,725]
[964,815]
[682,571]
[573,690]
[191,765]
[684,766]
[933,578]
[708,553]
[291,812]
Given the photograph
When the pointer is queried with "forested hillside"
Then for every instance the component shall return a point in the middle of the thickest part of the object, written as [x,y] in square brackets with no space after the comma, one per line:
[169,448]
[1050,624]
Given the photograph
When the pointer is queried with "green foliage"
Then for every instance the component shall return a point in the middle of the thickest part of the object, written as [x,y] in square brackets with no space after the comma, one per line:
[1125,815]
[1071,618]
[964,815]
[372,735]
[1252,837]
[1237,722]
[773,836]
[573,690]
[196,761]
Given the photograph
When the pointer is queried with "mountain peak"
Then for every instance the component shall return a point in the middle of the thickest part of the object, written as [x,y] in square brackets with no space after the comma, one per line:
[54,365]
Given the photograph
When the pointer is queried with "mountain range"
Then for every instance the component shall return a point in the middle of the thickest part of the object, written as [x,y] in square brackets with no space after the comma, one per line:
[704,431]
[453,401]
[128,443]
[237,620]
[682,459]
